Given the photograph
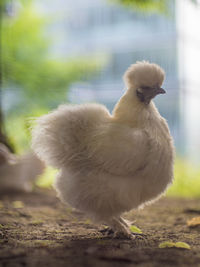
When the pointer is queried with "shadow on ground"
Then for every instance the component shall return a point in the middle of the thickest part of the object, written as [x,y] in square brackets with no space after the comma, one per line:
[38,230]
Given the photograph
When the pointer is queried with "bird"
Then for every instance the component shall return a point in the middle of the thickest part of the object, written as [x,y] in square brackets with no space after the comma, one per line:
[18,173]
[110,163]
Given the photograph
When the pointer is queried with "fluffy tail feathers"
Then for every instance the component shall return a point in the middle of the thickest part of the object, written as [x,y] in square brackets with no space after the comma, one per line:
[60,137]
[49,138]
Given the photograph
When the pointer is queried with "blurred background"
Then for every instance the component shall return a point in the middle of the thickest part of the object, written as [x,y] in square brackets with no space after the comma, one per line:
[62,51]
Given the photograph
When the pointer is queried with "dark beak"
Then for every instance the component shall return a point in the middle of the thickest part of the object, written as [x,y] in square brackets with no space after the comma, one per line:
[160,91]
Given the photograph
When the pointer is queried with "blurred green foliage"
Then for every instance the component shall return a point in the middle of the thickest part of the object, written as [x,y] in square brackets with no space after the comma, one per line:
[147,6]
[187,180]
[27,66]
[39,81]
[46,180]
[18,127]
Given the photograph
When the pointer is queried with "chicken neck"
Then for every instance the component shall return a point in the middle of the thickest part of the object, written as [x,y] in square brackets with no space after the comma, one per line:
[129,110]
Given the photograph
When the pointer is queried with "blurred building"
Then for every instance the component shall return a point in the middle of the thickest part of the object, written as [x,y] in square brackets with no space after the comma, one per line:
[188,24]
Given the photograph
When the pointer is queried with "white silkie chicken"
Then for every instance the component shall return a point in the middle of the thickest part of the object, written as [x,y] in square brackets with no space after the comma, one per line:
[110,164]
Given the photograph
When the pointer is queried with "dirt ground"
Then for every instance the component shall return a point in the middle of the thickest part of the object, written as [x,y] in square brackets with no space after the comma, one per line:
[38,230]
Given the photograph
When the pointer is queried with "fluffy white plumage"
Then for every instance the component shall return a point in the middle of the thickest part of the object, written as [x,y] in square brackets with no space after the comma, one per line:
[110,164]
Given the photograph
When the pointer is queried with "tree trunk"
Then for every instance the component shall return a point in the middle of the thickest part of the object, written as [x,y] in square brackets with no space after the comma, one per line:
[3,138]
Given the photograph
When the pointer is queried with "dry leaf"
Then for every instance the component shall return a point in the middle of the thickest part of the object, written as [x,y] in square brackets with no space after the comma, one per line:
[194,222]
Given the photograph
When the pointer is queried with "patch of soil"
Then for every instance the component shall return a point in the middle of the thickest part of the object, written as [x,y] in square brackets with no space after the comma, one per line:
[38,230]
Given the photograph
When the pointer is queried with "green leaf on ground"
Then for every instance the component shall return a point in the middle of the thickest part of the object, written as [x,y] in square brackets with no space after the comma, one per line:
[170,244]
[135,229]
[166,244]
[182,245]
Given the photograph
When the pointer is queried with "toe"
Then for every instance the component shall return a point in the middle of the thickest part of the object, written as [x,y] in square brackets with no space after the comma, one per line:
[123,235]
[107,231]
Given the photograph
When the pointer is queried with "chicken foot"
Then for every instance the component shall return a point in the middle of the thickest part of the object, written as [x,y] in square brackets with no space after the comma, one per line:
[128,224]
[120,228]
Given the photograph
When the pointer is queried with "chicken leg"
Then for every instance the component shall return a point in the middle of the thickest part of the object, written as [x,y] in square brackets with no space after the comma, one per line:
[120,228]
